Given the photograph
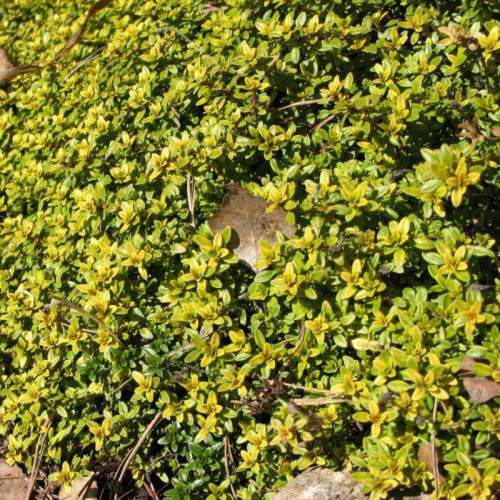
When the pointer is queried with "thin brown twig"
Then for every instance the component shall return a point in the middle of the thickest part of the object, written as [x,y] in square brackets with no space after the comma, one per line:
[457,424]
[434,452]
[184,347]
[125,494]
[302,337]
[233,464]
[88,315]
[123,467]
[284,341]
[39,449]
[86,330]
[168,355]
[73,40]
[303,103]
[322,122]
[150,490]
[123,384]
[176,31]
[226,465]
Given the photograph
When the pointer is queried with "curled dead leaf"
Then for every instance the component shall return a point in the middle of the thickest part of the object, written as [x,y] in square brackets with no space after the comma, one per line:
[426,456]
[481,389]
[72,41]
[13,483]
[247,217]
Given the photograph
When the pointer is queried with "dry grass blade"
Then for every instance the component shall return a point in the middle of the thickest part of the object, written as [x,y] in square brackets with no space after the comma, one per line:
[176,31]
[149,488]
[186,346]
[318,125]
[86,330]
[191,196]
[435,464]
[317,402]
[296,348]
[226,465]
[39,449]
[72,41]
[123,467]
[303,103]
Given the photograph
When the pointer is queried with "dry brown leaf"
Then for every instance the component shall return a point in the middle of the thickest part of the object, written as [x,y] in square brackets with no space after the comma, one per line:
[84,488]
[209,7]
[481,389]
[72,41]
[426,456]
[468,364]
[8,70]
[13,483]
[247,217]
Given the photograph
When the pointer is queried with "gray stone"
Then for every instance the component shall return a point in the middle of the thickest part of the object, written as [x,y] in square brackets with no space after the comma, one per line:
[325,484]
[321,484]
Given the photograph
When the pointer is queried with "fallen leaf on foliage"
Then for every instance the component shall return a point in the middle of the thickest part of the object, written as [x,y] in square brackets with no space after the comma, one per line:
[13,483]
[247,217]
[426,456]
[84,488]
[72,41]
[481,389]
[209,7]
[8,70]
[468,364]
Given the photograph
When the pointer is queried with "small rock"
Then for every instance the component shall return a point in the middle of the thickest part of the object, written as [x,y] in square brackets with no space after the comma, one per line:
[321,484]
[325,484]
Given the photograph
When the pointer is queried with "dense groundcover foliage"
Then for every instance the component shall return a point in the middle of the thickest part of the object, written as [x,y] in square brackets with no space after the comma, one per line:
[373,123]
